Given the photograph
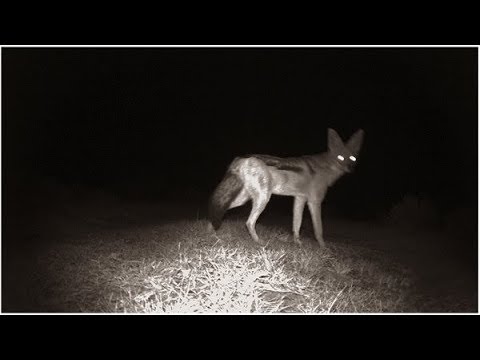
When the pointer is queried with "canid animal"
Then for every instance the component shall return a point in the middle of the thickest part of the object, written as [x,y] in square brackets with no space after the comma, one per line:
[306,178]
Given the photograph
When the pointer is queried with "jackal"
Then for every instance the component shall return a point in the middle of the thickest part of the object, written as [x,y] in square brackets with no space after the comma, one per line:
[306,178]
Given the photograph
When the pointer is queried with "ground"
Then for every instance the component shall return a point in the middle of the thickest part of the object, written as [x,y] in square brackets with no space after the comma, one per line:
[161,258]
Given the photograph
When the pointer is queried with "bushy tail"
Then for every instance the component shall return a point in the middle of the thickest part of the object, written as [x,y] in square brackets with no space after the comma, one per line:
[222,197]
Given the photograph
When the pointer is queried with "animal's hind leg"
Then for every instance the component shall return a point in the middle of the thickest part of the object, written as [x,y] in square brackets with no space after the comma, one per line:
[298,206]
[241,199]
[258,205]
[257,182]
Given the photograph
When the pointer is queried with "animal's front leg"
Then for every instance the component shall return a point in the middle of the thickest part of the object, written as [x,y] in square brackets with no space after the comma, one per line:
[298,206]
[316,212]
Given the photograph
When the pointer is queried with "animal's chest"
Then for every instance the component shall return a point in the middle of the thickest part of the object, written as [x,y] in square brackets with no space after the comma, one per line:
[302,183]
[291,183]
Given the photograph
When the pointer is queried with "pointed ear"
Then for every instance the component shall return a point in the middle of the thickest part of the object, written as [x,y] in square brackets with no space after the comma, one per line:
[355,142]
[335,143]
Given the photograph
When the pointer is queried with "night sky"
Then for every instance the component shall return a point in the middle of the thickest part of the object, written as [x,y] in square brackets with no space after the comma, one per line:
[164,123]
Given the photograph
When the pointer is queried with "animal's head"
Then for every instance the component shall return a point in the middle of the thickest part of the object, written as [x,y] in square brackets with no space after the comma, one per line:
[344,155]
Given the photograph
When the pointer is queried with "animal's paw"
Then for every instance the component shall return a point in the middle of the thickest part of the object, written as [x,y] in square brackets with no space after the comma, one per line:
[297,241]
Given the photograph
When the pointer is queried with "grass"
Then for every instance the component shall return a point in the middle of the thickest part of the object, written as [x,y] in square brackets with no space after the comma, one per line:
[181,268]
[121,263]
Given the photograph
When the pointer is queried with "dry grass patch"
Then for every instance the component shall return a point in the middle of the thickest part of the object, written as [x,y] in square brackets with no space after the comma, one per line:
[181,268]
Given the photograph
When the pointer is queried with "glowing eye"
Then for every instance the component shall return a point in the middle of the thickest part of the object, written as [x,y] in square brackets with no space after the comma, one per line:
[353,158]
[340,157]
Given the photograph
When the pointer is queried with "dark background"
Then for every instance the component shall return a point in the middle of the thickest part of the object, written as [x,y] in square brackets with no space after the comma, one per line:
[159,124]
